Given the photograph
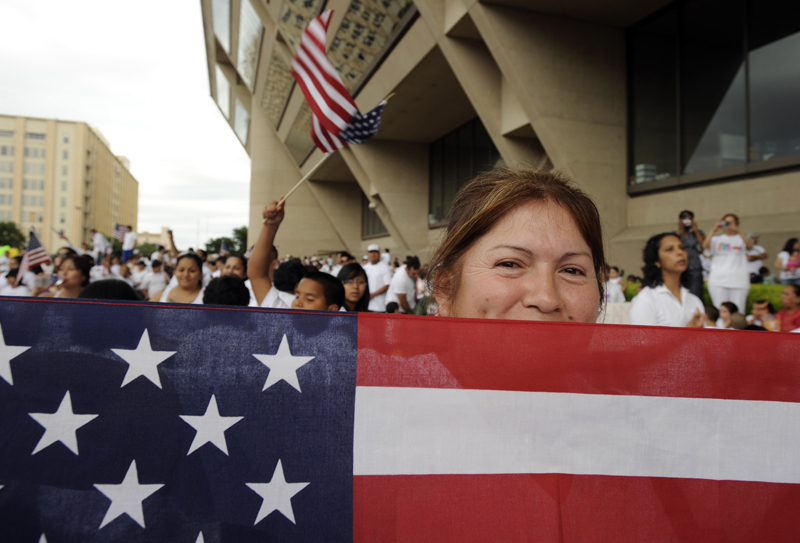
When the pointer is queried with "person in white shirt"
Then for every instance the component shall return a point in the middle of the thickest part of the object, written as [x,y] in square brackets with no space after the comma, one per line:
[790,275]
[10,289]
[664,300]
[403,287]
[154,282]
[755,256]
[729,280]
[139,272]
[379,275]
[615,286]
[386,257]
[128,244]
[264,260]
[99,245]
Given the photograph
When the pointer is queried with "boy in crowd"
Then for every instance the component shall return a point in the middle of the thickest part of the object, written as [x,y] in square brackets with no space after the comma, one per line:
[319,291]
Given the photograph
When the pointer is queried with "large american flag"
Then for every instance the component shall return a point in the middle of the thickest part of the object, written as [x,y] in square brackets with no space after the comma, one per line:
[335,119]
[35,255]
[149,423]
[119,232]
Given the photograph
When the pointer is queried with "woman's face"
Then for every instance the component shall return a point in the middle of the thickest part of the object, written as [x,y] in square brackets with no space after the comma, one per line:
[731,228]
[672,255]
[234,266]
[188,274]
[72,276]
[354,288]
[613,274]
[532,265]
[789,299]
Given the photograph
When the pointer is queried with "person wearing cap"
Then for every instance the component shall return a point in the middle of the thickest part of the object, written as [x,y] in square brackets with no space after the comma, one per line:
[379,276]
[692,238]
[755,258]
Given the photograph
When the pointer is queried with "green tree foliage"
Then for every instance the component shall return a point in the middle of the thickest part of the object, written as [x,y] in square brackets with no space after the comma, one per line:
[146,249]
[11,235]
[236,242]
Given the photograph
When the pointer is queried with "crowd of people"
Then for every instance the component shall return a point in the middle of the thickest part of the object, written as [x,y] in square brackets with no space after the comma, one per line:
[518,244]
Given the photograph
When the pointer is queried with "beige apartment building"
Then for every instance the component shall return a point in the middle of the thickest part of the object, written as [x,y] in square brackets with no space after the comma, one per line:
[61,176]
[652,106]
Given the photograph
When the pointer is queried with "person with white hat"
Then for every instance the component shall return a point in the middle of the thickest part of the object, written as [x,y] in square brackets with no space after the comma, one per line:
[379,276]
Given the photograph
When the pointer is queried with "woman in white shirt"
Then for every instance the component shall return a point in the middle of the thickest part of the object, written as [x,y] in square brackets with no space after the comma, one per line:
[665,300]
[729,279]
[790,275]
[189,290]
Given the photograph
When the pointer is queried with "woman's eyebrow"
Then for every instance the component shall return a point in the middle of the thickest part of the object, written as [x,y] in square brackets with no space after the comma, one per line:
[579,253]
[513,248]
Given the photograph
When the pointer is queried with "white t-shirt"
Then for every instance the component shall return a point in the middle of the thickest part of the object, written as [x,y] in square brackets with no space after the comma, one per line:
[783,256]
[402,284]
[11,290]
[273,300]
[386,258]
[153,282]
[659,307]
[129,241]
[614,293]
[755,265]
[168,290]
[378,276]
[728,262]
[99,242]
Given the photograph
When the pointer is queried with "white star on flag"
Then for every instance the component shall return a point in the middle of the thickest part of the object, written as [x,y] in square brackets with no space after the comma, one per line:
[7,353]
[60,426]
[42,539]
[282,365]
[200,538]
[210,427]
[277,495]
[143,361]
[127,497]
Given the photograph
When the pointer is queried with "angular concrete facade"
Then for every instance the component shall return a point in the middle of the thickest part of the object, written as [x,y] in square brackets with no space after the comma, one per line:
[547,80]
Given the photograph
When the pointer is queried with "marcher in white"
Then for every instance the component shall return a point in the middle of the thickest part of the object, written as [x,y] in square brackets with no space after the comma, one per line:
[379,275]
[729,280]
[664,301]
[755,256]
[129,244]
[615,286]
[99,245]
[403,287]
[264,260]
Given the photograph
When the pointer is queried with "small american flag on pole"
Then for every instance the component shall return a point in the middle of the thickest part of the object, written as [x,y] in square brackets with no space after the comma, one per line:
[35,255]
[119,232]
[335,119]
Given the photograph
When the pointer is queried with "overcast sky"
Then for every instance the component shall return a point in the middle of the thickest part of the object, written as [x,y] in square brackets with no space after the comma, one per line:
[136,71]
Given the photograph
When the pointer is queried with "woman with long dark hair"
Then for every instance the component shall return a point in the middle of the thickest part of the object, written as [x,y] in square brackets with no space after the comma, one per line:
[356,287]
[790,275]
[665,299]
[189,290]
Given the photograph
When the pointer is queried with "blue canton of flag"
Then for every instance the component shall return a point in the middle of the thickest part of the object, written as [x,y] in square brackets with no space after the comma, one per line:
[362,127]
[144,423]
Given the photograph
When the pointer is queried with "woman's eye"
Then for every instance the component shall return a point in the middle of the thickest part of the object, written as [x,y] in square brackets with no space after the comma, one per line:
[573,271]
[508,264]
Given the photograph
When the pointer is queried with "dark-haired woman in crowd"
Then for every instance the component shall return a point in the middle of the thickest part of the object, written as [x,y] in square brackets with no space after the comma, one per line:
[665,299]
[73,276]
[356,287]
[189,290]
[790,272]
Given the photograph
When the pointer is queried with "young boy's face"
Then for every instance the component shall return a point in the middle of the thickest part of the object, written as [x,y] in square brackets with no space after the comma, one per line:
[310,295]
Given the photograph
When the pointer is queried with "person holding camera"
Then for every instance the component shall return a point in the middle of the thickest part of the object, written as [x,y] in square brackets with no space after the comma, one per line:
[729,278]
[692,238]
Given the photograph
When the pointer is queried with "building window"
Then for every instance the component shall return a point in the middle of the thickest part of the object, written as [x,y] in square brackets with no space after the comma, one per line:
[4,150]
[62,218]
[66,138]
[249,43]
[223,93]
[39,217]
[64,186]
[63,202]
[25,184]
[241,122]
[66,154]
[10,199]
[6,134]
[43,154]
[32,136]
[2,182]
[371,224]
[221,16]
[713,92]
[27,151]
[64,170]
[2,199]
[454,160]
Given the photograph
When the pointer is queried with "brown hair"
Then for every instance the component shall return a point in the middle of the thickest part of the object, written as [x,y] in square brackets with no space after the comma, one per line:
[82,265]
[735,217]
[488,197]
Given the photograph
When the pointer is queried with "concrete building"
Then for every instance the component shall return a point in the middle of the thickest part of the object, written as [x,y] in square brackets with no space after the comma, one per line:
[651,106]
[62,176]
[156,238]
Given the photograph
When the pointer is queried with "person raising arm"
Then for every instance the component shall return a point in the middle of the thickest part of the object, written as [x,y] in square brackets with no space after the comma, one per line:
[264,260]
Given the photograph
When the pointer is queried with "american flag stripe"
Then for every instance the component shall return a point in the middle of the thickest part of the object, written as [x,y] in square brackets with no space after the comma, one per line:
[318,79]
[35,255]
[323,139]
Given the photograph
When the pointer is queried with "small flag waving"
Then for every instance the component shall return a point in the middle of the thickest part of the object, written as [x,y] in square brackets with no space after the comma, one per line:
[119,232]
[35,255]
[335,119]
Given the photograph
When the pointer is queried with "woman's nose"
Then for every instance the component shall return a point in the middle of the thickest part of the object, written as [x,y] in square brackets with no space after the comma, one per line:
[540,292]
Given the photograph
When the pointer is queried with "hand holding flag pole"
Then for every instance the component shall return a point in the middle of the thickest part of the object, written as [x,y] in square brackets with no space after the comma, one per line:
[335,119]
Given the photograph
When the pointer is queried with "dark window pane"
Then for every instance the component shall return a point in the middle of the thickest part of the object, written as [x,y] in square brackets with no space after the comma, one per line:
[712,85]
[464,161]
[654,118]
[450,169]
[371,224]
[436,210]
[774,44]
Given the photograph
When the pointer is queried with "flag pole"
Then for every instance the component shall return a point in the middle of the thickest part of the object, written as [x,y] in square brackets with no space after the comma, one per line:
[304,179]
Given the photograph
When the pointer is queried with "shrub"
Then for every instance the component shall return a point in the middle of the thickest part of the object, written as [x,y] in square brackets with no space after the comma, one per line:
[771,293]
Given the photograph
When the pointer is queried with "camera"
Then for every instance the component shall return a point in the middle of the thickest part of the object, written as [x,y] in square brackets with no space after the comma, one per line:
[724,223]
[687,222]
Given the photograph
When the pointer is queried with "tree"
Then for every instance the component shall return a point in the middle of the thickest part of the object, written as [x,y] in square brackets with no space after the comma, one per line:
[146,249]
[236,243]
[10,235]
